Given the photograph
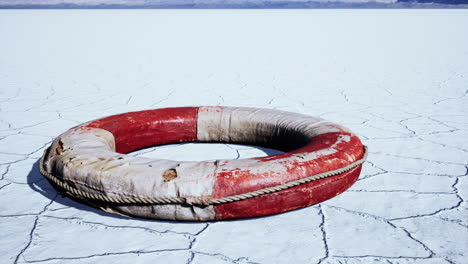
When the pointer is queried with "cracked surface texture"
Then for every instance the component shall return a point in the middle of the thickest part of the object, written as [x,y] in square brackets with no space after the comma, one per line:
[398,78]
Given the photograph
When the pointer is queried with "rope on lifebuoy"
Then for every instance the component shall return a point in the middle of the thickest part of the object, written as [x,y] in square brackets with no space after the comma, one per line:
[195,200]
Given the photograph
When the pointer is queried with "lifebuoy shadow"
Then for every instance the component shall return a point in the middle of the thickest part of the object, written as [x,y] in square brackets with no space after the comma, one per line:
[41,185]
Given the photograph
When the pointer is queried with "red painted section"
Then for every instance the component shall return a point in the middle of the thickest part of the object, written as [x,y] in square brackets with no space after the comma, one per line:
[273,170]
[142,129]
[289,199]
[278,169]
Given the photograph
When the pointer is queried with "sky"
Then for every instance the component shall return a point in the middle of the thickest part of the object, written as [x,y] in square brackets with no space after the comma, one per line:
[224,3]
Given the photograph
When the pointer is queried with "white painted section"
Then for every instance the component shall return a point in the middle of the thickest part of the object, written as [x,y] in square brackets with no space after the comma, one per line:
[87,158]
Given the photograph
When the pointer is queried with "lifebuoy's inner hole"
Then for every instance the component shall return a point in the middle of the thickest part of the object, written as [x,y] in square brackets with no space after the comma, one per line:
[139,130]
[196,151]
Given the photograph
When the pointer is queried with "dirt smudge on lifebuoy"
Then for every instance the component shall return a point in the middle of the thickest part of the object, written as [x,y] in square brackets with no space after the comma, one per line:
[169,175]
[59,148]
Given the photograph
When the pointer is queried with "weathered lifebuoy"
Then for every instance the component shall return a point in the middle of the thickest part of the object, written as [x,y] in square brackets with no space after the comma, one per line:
[88,162]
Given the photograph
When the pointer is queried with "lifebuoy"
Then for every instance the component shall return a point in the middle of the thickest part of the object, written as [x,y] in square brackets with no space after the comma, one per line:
[88,162]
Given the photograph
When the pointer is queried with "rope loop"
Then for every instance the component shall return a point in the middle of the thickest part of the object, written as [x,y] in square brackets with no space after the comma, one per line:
[199,201]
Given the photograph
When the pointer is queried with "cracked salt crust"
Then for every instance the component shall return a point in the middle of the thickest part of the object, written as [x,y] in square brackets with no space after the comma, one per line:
[396,77]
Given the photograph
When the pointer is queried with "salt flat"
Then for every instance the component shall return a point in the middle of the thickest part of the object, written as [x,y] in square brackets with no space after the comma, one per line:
[398,78]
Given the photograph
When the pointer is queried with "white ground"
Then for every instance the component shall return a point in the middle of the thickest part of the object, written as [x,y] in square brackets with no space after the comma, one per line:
[398,78]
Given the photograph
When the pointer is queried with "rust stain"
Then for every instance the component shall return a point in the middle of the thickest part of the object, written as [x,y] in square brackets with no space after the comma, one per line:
[59,149]
[170,175]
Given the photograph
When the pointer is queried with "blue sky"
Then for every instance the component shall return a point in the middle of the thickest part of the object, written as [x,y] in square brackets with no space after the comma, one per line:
[220,3]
